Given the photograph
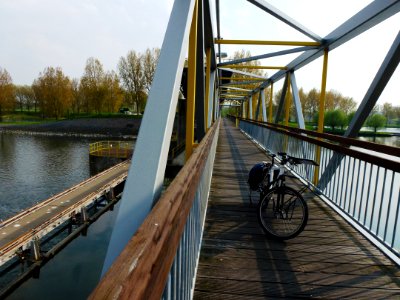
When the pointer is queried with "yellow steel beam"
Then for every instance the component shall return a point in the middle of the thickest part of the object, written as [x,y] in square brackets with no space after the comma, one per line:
[243,78]
[207,92]
[233,95]
[256,67]
[268,43]
[191,93]
[321,113]
[323,93]
[234,91]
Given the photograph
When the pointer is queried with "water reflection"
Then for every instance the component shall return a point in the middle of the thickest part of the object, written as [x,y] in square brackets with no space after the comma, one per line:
[34,167]
[389,141]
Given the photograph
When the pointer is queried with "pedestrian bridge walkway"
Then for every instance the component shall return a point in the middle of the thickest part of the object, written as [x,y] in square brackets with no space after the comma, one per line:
[328,260]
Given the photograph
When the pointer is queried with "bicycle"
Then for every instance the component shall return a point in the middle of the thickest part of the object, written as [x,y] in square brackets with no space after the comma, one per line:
[282,212]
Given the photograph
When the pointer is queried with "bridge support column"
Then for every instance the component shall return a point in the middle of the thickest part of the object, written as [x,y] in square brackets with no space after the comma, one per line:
[36,249]
[110,195]
[84,215]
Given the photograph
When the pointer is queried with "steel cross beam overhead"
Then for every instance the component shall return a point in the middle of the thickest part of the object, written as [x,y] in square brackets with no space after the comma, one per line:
[371,15]
[284,18]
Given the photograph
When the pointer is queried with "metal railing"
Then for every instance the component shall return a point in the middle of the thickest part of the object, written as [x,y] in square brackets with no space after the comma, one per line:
[118,149]
[360,179]
[160,260]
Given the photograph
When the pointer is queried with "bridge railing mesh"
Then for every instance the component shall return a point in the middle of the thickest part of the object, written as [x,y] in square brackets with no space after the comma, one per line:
[359,179]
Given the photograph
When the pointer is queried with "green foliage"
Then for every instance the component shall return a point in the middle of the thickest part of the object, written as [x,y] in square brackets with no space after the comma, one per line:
[376,121]
[335,118]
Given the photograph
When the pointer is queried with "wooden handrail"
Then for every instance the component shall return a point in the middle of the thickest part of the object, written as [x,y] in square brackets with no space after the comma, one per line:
[345,141]
[141,270]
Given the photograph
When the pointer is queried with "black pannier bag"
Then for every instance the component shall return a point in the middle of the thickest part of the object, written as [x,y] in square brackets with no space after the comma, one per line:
[257,175]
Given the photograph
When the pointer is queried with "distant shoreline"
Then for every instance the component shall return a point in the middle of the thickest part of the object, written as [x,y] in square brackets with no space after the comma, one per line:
[124,128]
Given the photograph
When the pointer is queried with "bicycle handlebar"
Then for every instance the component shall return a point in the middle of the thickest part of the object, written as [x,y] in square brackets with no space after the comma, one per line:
[294,160]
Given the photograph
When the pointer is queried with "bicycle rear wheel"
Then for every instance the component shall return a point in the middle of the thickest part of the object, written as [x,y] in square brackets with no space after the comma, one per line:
[282,213]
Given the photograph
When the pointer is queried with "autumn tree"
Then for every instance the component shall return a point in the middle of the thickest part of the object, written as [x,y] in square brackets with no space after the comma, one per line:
[24,97]
[236,77]
[388,111]
[132,76]
[150,59]
[7,96]
[347,104]
[113,96]
[54,93]
[310,104]
[77,96]
[92,85]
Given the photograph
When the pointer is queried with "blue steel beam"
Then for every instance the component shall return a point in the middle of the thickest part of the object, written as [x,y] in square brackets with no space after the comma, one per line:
[296,100]
[264,108]
[285,18]
[146,175]
[244,73]
[376,88]
[378,84]
[267,55]
[282,100]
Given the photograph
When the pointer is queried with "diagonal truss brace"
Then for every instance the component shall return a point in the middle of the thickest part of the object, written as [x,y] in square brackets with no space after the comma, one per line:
[378,84]
[285,18]
[296,99]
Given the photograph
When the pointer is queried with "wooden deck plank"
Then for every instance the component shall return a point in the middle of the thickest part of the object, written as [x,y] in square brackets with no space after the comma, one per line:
[329,259]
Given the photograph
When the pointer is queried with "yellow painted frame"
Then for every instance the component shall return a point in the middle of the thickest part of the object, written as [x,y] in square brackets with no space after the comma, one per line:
[191,89]
[268,43]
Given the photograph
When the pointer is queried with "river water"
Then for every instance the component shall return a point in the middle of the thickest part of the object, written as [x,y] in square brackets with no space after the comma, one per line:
[32,168]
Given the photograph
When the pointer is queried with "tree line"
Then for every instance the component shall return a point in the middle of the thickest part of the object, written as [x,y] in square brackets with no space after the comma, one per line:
[339,109]
[56,95]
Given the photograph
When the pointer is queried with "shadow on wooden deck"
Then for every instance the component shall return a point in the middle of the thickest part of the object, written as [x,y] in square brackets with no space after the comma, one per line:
[328,260]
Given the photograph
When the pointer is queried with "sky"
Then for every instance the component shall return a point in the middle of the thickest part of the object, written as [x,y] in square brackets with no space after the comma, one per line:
[36,34]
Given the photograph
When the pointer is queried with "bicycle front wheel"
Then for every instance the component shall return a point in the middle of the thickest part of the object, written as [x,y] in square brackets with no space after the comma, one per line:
[282,213]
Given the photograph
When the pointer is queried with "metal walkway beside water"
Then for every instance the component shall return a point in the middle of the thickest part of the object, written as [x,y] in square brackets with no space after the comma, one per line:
[19,231]
[328,260]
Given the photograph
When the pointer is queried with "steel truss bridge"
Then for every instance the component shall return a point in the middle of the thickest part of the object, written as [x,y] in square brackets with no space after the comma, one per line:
[200,238]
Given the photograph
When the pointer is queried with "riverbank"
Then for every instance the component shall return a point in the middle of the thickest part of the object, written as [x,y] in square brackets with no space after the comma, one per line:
[125,128]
